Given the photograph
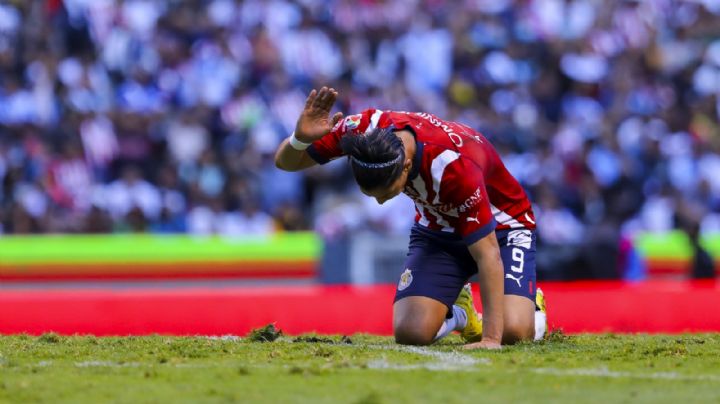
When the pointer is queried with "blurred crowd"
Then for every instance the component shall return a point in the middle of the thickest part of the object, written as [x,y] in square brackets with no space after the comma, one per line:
[163,116]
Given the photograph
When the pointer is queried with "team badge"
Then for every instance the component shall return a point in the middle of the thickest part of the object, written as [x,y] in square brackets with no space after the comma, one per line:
[353,121]
[405,279]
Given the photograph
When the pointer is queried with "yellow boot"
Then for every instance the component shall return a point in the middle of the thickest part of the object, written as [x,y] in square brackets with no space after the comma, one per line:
[473,329]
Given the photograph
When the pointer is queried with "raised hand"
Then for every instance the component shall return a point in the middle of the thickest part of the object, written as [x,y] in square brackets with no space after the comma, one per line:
[314,121]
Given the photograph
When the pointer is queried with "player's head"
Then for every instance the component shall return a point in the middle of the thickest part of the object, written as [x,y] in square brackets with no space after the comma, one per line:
[378,162]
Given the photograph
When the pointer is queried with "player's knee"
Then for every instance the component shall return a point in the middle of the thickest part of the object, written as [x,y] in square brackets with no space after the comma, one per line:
[412,334]
[516,330]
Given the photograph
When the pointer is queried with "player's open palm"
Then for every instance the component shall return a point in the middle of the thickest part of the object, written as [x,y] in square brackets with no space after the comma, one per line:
[314,121]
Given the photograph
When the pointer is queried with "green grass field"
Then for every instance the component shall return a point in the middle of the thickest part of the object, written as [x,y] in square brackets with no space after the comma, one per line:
[361,369]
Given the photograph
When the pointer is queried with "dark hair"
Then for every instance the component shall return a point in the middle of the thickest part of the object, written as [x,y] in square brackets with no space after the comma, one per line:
[376,158]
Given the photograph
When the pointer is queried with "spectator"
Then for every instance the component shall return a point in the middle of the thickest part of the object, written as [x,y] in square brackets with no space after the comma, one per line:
[131,191]
[248,221]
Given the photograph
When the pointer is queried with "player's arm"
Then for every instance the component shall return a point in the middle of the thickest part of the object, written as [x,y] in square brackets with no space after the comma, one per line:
[289,158]
[314,123]
[465,188]
[490,272]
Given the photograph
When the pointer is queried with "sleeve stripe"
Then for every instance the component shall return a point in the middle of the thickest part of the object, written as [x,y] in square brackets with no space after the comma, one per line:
[437,168]
[315,155]
[480,233]
[374,119]
[504,218]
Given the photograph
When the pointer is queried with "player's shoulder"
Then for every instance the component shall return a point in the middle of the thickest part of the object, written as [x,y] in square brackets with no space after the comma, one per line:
[359,123]
[446,164]
[371,118]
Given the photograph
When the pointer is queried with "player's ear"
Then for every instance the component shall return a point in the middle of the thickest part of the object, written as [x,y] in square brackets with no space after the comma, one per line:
[407,165]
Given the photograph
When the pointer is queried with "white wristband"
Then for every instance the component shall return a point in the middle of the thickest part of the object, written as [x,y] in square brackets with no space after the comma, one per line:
[296,144]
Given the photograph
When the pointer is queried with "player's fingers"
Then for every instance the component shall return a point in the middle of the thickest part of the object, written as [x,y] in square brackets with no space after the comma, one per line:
[329,99]
[310,98]
[337,117]
[318,103]
[322,101]
[332,96]
[481,345]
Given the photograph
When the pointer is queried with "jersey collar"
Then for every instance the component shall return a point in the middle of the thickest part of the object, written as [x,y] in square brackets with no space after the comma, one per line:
[417,159]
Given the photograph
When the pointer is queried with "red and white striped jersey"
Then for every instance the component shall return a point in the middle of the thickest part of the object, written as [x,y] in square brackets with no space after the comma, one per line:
[458,182]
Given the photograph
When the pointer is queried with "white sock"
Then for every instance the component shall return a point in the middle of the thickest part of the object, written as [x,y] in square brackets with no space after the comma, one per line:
[457,322]
[540,330]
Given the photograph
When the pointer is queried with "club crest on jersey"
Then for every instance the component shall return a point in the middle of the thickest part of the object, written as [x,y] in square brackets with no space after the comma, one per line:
[353,121]
[405,279]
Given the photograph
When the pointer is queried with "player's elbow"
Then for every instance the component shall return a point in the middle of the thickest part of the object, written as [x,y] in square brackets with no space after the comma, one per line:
[284,165]
[281,165]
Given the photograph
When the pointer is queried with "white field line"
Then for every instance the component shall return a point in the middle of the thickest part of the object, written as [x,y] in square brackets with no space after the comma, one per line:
[604,372]
[447,361]
[110,364]
[443,361]
[224,337]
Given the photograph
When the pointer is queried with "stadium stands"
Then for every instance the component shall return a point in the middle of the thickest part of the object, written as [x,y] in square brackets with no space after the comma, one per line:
[161,116]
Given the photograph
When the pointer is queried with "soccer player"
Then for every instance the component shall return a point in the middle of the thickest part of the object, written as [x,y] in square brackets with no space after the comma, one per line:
[471,217]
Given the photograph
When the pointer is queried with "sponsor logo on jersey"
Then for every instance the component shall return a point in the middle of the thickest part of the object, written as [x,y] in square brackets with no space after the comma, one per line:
[353,121]
[449,130]
[520,238]
[473,200]
[447,208]
[456,139]
[405,279]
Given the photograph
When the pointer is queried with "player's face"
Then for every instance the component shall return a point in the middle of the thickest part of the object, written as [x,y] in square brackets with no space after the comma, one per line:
[382,195]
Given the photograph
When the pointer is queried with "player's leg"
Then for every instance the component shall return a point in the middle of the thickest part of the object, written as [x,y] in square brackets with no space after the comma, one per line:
[519,319]
[417,319]
[424,309]
[517,249]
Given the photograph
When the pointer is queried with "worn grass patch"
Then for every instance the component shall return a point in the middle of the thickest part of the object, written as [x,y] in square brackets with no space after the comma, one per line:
[357,369]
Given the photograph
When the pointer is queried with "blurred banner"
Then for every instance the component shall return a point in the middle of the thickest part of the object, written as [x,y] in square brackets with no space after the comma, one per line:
[364,258]
[574,307]
[284,255]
